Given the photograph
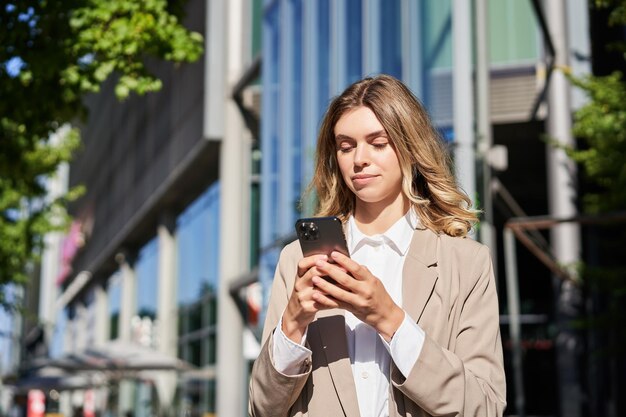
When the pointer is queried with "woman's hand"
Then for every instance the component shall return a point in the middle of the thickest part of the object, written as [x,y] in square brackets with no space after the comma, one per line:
[302,304]
[357,291]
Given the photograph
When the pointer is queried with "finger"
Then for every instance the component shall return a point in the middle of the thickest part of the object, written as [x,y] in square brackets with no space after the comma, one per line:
[324,302]
[307,263]
[332,302]
[352,267]
[337,273]
[334,291]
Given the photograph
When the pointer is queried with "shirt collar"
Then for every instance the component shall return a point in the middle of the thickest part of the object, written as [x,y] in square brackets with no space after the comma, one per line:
[398,236]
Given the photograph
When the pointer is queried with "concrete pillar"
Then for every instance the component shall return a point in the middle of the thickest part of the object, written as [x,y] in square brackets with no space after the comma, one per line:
[80,327]
[167,308]
[128,308]
[234,240]
[50,262]
[562,196]
[167,305]
[102,321]
[128,304]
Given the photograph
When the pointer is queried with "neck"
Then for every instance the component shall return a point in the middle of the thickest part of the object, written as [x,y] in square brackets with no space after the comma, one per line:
[376,218]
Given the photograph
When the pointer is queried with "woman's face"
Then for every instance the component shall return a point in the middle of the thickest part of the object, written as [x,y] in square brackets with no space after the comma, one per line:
[367,160]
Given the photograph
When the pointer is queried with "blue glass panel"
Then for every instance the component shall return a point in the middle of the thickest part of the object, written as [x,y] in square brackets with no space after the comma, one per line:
[146,269]
[198,236]
[435,18]
[270,144]
[437,33]
[390,38]
[323,54]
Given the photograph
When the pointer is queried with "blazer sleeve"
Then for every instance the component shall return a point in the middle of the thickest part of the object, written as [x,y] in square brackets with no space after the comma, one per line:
[271,392]
[468,381]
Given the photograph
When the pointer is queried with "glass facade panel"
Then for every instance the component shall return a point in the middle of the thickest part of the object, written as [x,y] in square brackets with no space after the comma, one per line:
[323,56]
[518,37]
[256,27]
[435,62]
[146,269]
[391,38]
[436,34]
[198,236]
[270,143]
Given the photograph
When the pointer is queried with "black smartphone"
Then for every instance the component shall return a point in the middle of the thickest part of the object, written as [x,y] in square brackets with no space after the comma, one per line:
[321,235]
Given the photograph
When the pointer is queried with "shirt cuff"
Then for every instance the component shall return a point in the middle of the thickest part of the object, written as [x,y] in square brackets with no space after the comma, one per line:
[289,357]
[406,344]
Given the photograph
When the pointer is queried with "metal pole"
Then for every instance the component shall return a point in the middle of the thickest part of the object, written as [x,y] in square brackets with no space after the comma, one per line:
[515,328]
[483,123]
[464,158]
[562,196]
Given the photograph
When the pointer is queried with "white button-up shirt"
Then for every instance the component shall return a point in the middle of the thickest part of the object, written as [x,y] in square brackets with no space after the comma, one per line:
[370,355]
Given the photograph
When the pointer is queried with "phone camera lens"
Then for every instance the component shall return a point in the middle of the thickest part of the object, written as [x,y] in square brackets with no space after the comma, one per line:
[308,231]
[312,232]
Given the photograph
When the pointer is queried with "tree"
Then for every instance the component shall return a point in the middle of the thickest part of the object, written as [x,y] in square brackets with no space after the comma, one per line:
[53,53]
[601,124]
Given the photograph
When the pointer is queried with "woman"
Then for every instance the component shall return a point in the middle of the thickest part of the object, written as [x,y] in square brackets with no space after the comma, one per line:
[409,327]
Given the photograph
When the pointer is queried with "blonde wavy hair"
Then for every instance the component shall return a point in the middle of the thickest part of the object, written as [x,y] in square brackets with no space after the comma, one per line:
[428,181]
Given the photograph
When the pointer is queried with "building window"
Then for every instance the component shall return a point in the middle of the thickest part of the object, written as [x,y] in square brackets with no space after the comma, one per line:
[146,270]
[198,236]
[147,276]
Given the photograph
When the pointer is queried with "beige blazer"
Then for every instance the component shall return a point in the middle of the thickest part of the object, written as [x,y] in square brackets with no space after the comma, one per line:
[449,289]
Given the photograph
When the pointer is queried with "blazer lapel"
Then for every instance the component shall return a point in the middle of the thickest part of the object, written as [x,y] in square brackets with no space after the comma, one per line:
[419,274]
[332,333]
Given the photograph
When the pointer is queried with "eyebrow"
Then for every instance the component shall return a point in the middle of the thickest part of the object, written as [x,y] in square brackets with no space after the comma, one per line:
[372,135]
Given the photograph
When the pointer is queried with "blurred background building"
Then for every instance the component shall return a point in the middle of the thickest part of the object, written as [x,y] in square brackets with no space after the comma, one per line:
[193,191]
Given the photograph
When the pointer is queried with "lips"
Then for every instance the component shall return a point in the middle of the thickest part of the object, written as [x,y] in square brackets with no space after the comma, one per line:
[362,179]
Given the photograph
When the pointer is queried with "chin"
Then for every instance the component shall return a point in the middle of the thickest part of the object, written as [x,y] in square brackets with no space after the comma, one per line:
[369,197]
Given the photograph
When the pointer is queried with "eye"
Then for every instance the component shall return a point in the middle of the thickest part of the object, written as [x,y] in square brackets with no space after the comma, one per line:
[380,143]
[344,147]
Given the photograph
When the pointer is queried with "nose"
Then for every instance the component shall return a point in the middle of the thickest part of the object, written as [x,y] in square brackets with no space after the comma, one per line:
[361,156]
